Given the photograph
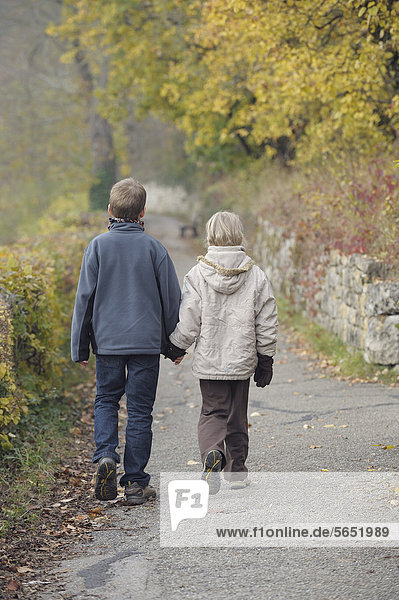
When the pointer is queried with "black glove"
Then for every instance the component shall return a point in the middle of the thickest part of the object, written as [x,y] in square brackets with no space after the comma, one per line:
[264,370]
[173,352]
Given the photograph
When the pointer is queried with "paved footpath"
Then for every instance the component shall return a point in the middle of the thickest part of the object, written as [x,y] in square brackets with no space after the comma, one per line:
[126,561]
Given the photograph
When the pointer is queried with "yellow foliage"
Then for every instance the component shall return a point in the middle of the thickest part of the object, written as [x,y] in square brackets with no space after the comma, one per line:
[11,403]
[38,280]
[317,76]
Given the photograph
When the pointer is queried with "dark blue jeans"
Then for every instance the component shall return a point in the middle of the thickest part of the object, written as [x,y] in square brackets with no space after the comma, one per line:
[137,376]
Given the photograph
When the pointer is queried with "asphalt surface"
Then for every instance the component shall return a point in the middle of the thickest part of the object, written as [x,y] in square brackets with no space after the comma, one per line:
[126,561]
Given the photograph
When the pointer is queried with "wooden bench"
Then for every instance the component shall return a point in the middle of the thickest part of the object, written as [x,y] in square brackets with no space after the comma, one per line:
[187,228]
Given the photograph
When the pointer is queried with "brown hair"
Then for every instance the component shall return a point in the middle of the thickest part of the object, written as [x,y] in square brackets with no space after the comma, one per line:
[127,199]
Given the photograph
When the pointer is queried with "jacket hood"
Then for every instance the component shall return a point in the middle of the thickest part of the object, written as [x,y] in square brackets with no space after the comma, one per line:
[225,267]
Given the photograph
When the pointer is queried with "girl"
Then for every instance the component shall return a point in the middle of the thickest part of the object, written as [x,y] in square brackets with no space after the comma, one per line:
[229,310]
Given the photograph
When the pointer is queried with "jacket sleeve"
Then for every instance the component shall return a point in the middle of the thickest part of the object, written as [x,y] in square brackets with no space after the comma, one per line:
[169,290]
[266,322]
[83,311]
[189,325]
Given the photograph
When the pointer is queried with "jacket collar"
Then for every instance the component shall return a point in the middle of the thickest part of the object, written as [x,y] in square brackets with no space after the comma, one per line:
[125,227]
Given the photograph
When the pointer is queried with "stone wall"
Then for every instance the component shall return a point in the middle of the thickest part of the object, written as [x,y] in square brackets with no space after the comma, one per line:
[356,297]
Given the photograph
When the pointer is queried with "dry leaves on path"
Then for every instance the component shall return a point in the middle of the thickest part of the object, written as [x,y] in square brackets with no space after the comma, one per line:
[69,513]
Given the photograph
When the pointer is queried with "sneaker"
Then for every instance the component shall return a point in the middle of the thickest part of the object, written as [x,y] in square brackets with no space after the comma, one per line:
[240,484]
[106,486]
[211,473]
[137,494]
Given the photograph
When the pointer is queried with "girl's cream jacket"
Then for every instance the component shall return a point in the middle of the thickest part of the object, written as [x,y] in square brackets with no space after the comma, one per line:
[229,311]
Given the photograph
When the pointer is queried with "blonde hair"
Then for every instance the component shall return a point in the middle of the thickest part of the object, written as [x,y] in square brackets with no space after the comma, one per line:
[225,229]
[127,199]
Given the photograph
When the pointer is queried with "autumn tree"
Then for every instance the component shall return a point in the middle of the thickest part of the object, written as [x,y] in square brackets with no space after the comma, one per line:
[293,78]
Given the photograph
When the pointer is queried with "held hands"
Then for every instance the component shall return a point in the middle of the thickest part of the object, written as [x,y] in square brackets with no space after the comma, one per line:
[264,370]
[175,354]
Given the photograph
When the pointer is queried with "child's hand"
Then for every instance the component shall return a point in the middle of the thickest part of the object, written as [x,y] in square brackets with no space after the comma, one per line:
[178,360]
[174,353]
[84,363]
[264,371]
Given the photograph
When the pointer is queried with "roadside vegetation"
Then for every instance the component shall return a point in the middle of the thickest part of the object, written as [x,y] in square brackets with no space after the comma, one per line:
[41,389]
[41,442]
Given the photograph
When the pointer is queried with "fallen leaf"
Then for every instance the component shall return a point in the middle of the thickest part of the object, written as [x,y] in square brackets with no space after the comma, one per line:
[343,425]
[388,447]
[116,500]
[95,511]
[163,427]
[12,585]
[87,418]
[192,462]
[315,446]
[325,470]
[255,414]
[329,425]
[76,431]
[308,426]
[24,570]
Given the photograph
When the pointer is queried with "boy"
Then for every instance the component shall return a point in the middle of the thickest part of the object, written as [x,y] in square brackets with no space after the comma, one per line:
[127,303]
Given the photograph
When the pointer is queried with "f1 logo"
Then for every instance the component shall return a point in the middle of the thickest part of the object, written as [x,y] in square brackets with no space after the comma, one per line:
[188,499]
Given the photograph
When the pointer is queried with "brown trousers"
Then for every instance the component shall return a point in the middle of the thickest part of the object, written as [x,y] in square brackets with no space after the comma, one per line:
[223,423]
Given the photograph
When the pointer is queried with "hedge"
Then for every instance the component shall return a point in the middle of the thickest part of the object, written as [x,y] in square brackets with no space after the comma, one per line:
[37,286]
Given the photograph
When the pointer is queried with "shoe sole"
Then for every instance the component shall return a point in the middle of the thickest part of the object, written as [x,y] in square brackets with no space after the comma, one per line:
[211,473]
[136,501]
[106,486]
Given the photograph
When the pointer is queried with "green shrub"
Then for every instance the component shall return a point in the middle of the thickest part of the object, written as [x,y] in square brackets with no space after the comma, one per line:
[11,405]
[38,280]
[28,284]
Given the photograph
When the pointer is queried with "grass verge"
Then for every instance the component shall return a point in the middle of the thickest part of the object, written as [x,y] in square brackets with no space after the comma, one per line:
[331,352]
[41,445]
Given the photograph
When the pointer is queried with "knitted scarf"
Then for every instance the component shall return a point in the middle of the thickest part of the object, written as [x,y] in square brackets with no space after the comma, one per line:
[112,220]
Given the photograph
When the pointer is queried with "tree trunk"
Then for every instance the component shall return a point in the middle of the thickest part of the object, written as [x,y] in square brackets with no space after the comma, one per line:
[104,166]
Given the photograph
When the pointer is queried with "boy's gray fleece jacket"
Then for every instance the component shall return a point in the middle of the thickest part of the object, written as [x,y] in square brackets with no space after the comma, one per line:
[229,310]
[125,276]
